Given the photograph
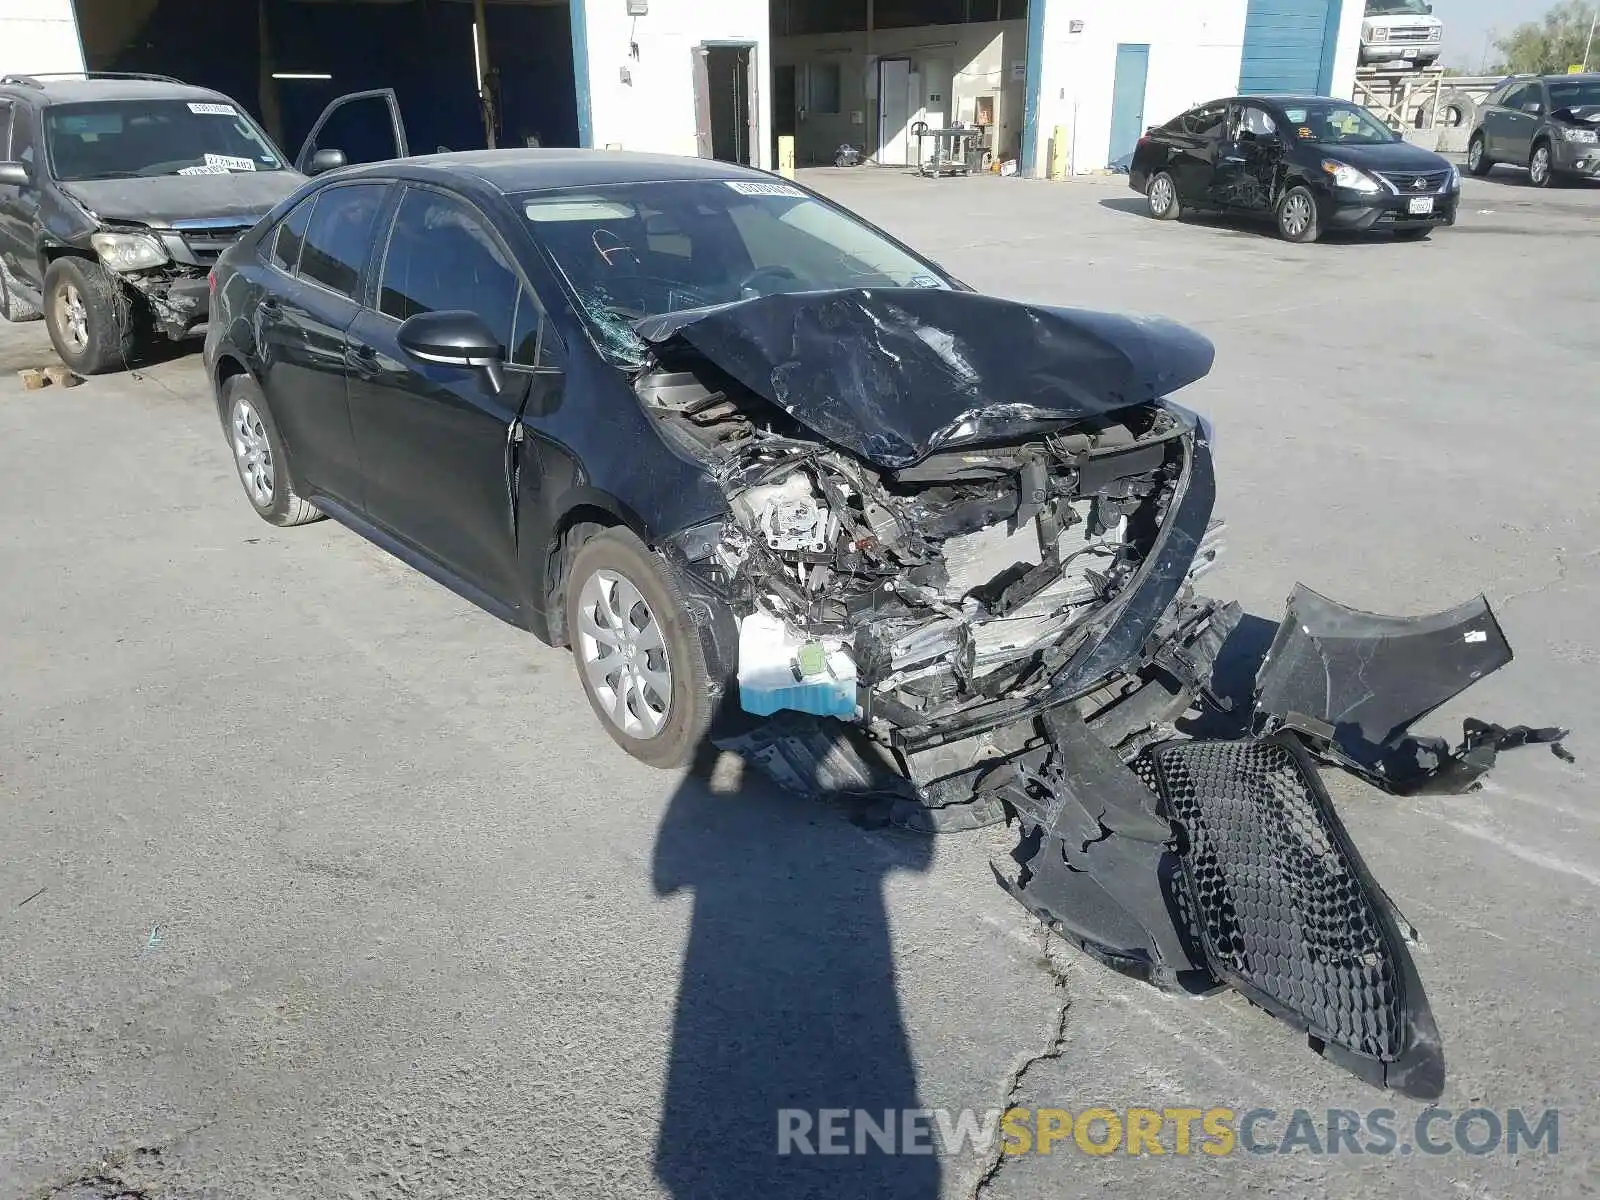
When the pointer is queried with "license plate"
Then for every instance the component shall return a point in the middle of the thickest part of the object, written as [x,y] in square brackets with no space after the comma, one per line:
[1410,53]
[1420,205]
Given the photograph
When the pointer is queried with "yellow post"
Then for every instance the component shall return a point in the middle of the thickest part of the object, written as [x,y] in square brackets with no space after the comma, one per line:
[786,155]
[1057,167]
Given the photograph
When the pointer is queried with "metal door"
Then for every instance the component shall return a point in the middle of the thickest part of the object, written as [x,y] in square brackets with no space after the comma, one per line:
[1127,100]
[894,111]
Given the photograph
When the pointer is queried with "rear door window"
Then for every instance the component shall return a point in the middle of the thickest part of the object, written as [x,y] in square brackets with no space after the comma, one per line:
[5,131]
[291,236]
[339,236]
[1517,97]
[1207,121]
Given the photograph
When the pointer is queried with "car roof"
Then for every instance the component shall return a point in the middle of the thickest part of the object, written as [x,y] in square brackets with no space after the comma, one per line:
[78,89]
[520,170]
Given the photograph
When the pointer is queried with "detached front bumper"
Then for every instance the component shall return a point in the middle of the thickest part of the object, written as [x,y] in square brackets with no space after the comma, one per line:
[1360,212]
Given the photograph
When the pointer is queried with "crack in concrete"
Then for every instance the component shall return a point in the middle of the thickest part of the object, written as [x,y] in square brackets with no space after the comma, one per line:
[1564,569]
[1053,1049]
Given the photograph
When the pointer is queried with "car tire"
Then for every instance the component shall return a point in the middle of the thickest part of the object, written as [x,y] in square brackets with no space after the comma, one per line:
[1541,166]
[638,651]
[1297,216]
[1161,194]
[1478,161]
[259,456]
[90,317]
[12,306]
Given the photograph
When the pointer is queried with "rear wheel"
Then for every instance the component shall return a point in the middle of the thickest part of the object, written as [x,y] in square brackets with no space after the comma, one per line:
[1541,167]
[1478,160]
[260,458]
[1162,196]
[1297,216]
[638,651]
[89,316]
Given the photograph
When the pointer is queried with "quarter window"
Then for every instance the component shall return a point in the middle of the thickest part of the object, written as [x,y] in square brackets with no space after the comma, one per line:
[340,235]
[441,257]
[291,236]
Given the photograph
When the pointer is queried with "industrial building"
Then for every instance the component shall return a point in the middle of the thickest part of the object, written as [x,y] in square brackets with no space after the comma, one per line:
[1057,85]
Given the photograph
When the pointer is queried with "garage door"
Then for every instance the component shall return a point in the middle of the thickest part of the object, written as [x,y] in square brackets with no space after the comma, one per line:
[1289,46]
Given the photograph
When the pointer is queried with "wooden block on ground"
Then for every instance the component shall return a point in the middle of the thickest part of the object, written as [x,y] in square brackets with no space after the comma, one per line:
[33,380]
[63,376]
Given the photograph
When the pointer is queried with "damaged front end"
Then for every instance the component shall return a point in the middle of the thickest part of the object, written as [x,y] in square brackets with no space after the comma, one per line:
[961,547]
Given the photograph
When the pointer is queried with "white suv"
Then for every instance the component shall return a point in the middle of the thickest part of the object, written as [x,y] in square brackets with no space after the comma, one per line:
[1402,31]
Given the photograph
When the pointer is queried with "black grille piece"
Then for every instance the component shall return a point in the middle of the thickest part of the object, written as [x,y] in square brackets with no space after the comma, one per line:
[1286,910]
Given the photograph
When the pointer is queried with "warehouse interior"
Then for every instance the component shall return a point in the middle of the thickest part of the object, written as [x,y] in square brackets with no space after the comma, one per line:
[285,60]
[864,73]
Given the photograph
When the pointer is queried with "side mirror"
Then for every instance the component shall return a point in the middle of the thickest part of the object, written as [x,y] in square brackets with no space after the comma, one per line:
[455,338]
[324,161]
[15,174]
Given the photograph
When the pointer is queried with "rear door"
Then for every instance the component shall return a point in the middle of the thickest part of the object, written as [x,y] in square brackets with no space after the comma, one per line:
[1194,156]
[19,206]
[1516,126]
[363,126]
[318,256]
[439,448]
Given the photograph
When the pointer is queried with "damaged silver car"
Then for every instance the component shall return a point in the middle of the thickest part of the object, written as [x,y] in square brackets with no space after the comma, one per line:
[787,487]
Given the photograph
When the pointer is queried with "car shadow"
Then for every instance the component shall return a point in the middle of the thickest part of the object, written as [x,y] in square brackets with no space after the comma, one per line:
[1233,225]
[1233,681]
[788,997]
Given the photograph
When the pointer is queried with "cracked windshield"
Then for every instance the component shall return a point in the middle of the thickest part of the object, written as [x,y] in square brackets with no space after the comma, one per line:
[640,250]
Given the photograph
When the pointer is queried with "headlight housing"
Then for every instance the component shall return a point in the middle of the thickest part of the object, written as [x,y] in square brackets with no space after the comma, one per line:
[128,251]
[1587,136]
[1346,176]
[1377,33]
[1455,179]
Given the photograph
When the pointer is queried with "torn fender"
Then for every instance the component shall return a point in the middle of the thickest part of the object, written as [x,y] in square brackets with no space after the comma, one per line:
[1351,684]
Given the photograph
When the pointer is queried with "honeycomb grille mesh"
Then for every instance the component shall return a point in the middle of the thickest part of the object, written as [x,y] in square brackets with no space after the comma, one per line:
[1282,911]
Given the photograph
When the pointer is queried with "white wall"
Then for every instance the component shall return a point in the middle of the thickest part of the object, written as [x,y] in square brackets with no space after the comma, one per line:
[38,35]
[656,111]
[979,55]
[1349,49]
[1195,50]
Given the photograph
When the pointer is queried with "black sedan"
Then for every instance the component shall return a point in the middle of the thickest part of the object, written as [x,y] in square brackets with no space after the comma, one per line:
[1310,163]
[740,450]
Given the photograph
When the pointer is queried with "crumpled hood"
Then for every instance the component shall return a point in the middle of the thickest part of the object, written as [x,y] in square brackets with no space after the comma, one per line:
[159,200]
[1578,114]
[892,374]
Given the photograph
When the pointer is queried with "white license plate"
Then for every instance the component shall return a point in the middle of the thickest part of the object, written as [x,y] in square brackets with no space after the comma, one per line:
[1412,53]
[1420,205]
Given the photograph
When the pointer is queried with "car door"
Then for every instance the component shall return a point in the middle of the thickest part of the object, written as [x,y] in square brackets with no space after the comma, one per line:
[1516,125]
[363,126]
[317,259]
[439,446]
[1247,159]
[19,205]
[1194,157]
[11,227]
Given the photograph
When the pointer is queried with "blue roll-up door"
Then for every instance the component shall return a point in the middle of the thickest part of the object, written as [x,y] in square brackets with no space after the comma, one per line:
[1289,46]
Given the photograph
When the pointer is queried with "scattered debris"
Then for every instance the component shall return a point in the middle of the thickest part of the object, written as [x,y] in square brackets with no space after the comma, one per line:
[35,896]
[33,379]
[63,377]
[154,939]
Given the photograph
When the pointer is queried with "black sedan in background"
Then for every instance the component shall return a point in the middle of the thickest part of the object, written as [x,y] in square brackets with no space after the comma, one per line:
[1309,163]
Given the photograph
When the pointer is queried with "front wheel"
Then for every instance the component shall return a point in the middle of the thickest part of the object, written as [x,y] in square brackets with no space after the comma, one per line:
[638,651]
[1478,160]
[1541,171]
[89,316]
[1297,216]
[1162,196]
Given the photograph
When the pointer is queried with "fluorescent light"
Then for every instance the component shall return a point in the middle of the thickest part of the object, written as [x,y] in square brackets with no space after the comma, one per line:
[477,59]
[299,75]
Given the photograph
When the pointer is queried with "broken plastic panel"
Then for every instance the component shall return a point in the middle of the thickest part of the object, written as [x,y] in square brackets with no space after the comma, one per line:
[1351,684]
[782,669]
